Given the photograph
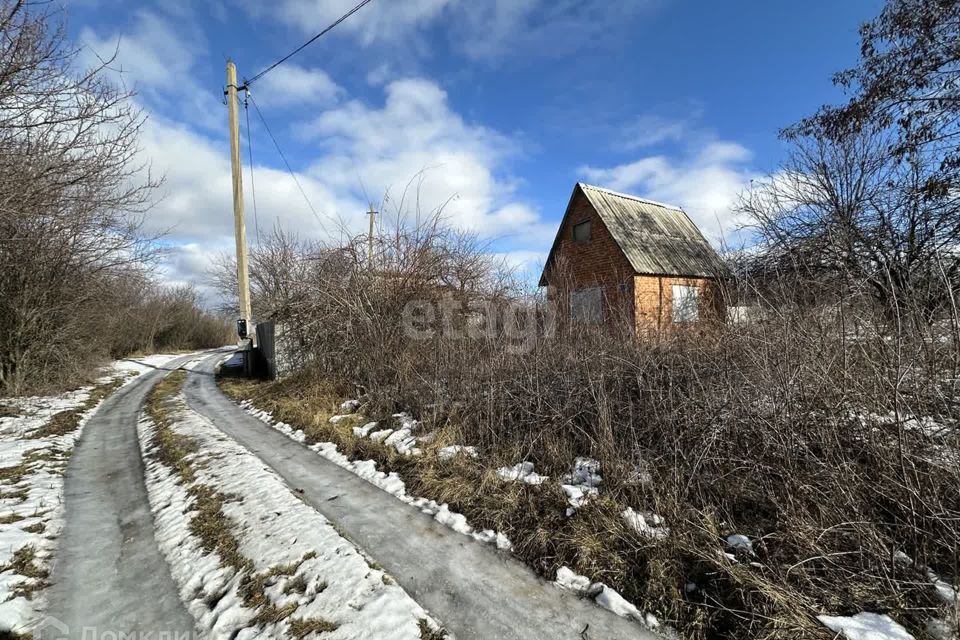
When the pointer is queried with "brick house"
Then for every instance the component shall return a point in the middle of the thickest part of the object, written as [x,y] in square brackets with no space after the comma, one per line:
[620,256]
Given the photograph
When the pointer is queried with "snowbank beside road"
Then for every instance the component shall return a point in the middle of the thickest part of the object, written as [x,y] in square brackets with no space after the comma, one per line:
[306,573]
[389,482]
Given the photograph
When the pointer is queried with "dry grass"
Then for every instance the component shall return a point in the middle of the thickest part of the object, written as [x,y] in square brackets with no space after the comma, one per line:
[209,523]
[272,614]
[170,447]
[37,527]
[214,528]
[252,591]
[24,563]
[67,421]
[802,484]
[429,633]
[298,584]
[14,473]
[301,627]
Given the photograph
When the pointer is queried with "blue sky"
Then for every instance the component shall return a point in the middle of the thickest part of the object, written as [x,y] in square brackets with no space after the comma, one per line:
[502,104]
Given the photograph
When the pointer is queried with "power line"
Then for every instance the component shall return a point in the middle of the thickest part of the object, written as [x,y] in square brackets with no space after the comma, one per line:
[284,158]
[306,44]
[253,188]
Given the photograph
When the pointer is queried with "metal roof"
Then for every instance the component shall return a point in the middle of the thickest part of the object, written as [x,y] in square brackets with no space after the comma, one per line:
[656,238]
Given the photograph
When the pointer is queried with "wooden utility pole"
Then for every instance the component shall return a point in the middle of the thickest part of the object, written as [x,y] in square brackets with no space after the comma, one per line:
[239,225]
[371,213]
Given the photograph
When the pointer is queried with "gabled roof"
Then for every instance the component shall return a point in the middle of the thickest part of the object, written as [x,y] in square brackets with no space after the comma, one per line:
[656,238]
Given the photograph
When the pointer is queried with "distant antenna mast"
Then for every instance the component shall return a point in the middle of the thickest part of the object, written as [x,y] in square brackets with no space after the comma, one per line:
[371,213]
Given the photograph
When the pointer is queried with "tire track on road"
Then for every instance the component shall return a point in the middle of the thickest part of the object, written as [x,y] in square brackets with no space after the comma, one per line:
[108,574]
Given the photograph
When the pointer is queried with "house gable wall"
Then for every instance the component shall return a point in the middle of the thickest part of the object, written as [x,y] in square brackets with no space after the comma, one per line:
[597,263]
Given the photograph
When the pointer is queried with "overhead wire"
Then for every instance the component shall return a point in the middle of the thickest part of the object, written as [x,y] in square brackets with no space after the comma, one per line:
[276,64]
[253,187]
[285,162]
[249,97]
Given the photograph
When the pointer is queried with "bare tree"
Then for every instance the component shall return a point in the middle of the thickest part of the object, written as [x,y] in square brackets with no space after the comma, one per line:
[73,196]
[846,212]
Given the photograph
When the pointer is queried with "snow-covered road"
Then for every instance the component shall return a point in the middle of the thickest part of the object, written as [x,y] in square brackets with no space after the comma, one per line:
[109,577]
[475,591]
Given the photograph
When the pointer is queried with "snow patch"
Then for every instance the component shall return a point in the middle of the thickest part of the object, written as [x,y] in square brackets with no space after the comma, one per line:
[604,596]
[741,542]
[274,529]
[577,496]
[941,630]
[349,406]
[454,450]
[586,472]
[402,441]
[866,626]
[647,523]
[523,472]
[364,431]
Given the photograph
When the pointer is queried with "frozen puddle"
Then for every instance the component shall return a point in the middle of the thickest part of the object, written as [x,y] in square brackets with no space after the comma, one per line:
[312,573]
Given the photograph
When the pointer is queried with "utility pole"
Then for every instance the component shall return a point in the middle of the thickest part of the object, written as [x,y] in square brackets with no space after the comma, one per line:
[239,225]
[371,213]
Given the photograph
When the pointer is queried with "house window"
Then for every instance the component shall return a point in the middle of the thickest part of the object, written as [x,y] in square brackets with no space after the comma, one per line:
[581,232]
[686,303]
[586,306]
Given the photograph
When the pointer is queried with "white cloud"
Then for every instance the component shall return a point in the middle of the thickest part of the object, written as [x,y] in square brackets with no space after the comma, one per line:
[527,264]
[379,149]
[196,199]
[290,84]
[156,57]
[380,75]
[650,130]
[482,29]
[383,149]
[705,184]
[387,21]
[152,54]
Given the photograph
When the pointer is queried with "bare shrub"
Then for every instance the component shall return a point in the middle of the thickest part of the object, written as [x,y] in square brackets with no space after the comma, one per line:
[822,430]
[73,194]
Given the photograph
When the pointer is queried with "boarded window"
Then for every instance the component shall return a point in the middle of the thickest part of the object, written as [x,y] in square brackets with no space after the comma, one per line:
[586,306]
[686,303]
[581,232]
